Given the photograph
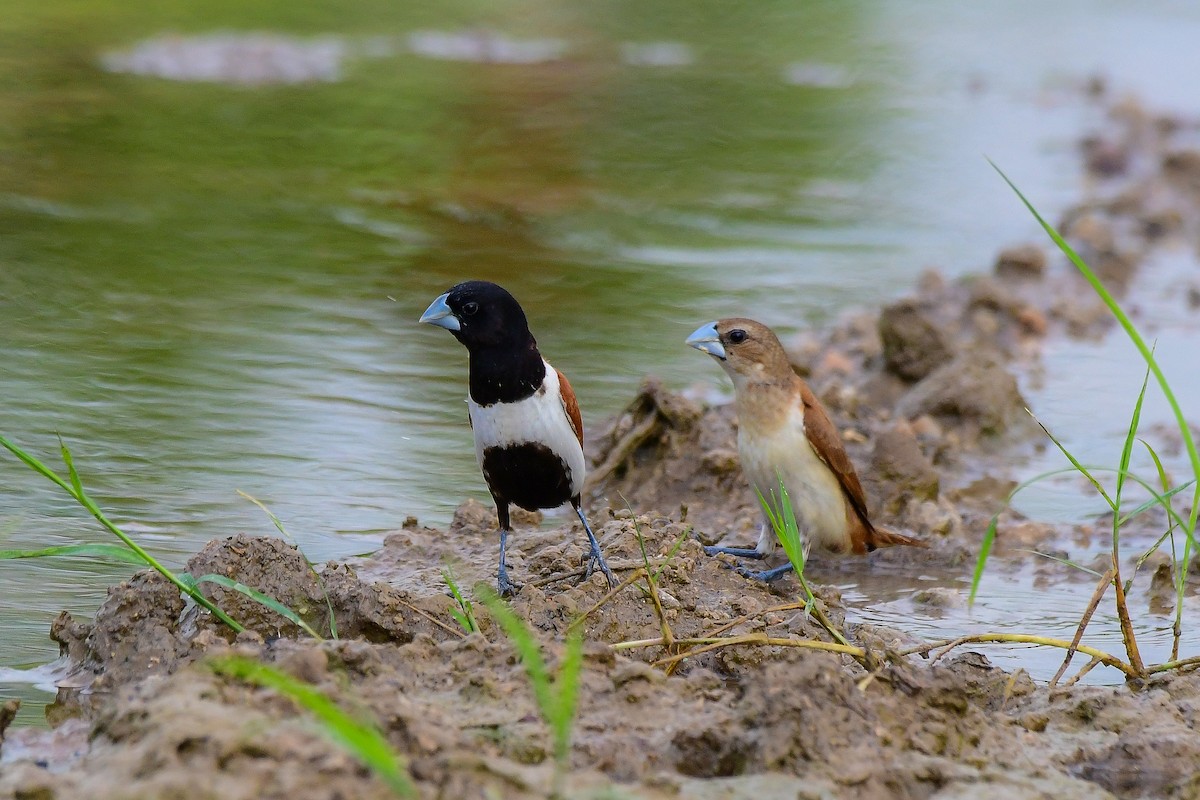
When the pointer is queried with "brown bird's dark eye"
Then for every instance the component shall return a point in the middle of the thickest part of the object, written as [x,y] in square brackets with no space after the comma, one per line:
[470,308]
[737,336]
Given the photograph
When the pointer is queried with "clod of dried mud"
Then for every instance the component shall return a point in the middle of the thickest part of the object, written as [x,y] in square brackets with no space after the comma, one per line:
[926,395]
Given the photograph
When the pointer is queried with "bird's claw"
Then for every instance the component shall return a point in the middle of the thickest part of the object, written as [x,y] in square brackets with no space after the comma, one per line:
[596,559]
[736,567]
[506,587]
[765,576]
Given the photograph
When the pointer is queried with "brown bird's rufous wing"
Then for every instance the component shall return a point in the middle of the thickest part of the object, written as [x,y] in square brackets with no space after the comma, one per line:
[827,444]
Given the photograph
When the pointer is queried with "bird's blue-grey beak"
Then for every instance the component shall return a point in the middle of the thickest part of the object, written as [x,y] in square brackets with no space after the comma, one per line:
[706,339]
[440,314]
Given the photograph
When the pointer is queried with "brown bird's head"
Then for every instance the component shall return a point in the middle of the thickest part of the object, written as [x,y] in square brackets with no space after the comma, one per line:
[749,351]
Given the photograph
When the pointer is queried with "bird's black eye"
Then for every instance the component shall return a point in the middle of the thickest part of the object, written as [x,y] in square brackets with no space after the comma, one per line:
[470,308]
[737,336]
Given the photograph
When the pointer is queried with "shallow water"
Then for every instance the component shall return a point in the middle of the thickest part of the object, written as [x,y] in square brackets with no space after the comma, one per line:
[208,287]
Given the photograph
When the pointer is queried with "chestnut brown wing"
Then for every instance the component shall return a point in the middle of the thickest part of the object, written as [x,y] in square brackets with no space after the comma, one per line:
[827,444]
[570,405]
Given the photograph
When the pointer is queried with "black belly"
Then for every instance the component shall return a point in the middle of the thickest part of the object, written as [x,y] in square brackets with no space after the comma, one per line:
[529,475]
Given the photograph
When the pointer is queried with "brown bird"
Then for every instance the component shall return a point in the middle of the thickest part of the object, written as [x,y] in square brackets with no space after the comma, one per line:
[785,434]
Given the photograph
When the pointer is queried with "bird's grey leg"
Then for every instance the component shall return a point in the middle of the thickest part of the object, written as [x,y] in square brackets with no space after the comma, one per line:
[740,552]
[764,548]
[506,587]
[595,557]
[768,575]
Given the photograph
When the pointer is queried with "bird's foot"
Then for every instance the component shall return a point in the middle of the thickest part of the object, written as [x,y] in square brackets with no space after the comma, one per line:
[596,559]
[766,575]
[506,587]
[740,552]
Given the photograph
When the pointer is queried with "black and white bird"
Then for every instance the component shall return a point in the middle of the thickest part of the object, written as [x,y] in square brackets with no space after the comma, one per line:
[528,430]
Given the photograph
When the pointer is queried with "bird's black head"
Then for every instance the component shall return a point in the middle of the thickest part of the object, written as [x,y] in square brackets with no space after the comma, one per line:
[481,315]
[505,365]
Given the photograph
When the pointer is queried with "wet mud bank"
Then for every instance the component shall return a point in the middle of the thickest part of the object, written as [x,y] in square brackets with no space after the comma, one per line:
[926,393]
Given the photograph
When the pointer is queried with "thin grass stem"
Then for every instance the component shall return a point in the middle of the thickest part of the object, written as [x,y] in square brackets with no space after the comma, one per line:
[762,639]
[77,493]
[333,631]
[1021,638]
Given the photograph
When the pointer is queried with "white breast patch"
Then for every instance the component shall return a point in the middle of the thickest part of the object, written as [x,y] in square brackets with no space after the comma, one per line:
[538,418]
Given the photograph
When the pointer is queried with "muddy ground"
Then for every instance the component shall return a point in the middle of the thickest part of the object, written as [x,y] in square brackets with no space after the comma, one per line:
[926,393]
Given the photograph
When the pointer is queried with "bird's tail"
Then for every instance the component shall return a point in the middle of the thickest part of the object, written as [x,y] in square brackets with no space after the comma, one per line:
[886,537]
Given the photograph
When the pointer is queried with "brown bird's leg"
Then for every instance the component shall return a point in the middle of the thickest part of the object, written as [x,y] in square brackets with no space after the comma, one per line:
[740,552]
[766,575]
[761,551]
[506,587]
[595,557]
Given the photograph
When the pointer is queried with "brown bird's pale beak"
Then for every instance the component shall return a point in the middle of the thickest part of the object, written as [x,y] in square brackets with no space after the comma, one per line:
[707,340]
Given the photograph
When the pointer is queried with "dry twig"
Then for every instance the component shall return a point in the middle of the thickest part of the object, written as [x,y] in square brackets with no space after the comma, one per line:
[1101,588]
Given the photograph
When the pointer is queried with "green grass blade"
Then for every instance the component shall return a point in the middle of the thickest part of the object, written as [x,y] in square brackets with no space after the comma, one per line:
[787,531]
[526,647]
[637,529]
[333,631]
[774,518]
[567,684]
[1140,343]
[464,615]
[261,598]
[1158,500]
[1066,562]
[783,522]
[683,536]
[76,484]
[1137,565]
[1127,447]
[360,738]
[39,467]
[1178,568]
[989,537]
[270,515]
[82,498]
[793,546]
[985,550]
[1075,462]
[1122,472]
[642,546]
[556,703]
[112,552]
[1165,481]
